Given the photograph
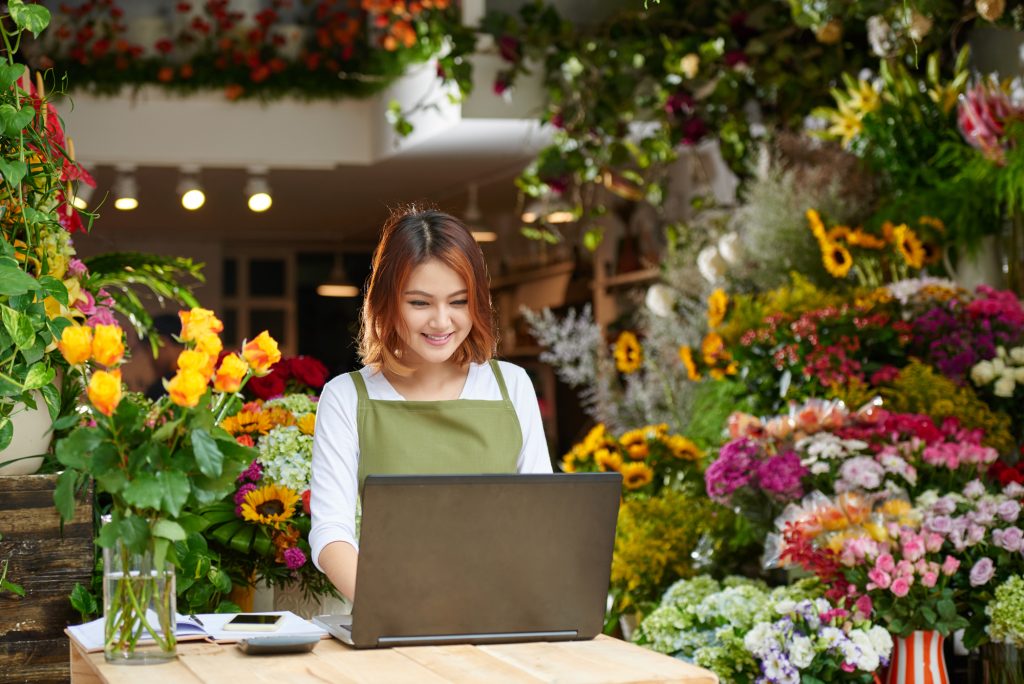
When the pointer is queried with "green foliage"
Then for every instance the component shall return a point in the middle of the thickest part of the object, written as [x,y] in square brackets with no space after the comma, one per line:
[6,584]
[713,402]
[84,601]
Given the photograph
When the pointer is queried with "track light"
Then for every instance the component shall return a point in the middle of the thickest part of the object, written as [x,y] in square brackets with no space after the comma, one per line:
[557,211]
[82,194]
[126,192]
[337,283]
[189,188]
[258,189]
[473,218]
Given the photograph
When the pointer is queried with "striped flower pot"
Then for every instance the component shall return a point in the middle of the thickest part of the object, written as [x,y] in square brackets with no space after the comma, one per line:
[918,659]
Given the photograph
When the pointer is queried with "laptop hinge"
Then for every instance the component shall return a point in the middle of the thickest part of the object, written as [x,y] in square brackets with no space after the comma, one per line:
[490,637]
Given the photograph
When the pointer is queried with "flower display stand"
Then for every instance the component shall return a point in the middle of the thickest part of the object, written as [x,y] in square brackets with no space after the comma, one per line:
[47,564]
[918,659]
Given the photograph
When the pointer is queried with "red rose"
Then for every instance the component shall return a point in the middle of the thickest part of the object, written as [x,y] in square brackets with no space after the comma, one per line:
[308,371]
[305,502]
[266,387]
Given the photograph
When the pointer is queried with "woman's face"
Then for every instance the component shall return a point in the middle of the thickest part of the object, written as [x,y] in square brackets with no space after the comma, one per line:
[435,312]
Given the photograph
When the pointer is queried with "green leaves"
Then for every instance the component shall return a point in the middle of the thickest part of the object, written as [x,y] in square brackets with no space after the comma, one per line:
[84,602]
[13,280]
[12,122]
[19,327]
[32,18]
[164,490]
[9,73]
[75,450]
[208,455]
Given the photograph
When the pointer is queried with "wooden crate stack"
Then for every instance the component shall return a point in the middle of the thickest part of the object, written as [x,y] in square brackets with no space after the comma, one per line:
[47,563]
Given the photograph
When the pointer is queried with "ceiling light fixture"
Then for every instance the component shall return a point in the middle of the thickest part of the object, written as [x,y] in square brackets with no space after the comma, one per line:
[189,188]
[82,194]
[257,189]
[337,283]
[472,217]
[126,192]
[551,211]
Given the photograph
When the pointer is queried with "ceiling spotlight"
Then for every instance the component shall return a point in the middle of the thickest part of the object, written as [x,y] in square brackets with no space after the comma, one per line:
[473,217]
[126,192]
[337,283]
[258,189]
[192,195]
[82,195]
[551,211]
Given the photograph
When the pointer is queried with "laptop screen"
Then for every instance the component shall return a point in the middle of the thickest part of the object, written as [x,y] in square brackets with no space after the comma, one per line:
[484,558]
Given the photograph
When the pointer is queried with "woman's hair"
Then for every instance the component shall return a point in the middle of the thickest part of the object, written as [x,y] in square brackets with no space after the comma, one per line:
[410,237]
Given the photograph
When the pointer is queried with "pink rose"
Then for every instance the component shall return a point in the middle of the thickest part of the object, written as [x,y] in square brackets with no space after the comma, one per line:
[864,606]
[913,549]
[900,587]
[933,542]
[950,566]
[929,579]
[885,562]
[880,577]
[905,569]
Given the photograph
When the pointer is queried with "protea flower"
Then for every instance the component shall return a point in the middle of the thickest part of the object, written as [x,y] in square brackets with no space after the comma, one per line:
[982,115]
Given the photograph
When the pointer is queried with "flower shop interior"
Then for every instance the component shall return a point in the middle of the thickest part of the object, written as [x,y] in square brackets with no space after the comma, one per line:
[762,258]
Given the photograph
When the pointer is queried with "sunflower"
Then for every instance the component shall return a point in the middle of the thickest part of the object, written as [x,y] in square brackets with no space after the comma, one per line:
[836,258]
[280,417]
[888,231]
[909,246]
[247,422]
[683,448]
[817,227]
[836,233]
[628,354]
[607,459]
[718,304]
[569,463]
[636,475]
[686,356]
[713,348]
[271,504]
[932,222]
[635,444]
[858,238]
[932,253]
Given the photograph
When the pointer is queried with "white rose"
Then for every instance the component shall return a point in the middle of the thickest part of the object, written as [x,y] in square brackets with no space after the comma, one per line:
[710,264]
[1004,385]
[1017,354]
[660,300]
[1001,352]
[998,366]
[1018,375]
[730,247]
[983,373]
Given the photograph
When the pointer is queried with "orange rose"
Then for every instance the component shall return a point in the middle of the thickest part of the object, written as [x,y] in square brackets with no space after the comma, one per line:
[210,345]
[230,374]
[108,344]
[198,322]
[105,390]
[76,344]
[186,387]
[261,353]
[193,360]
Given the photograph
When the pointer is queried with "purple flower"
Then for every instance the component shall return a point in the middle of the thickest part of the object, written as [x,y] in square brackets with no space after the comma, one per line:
[1009,539]
[982,572]
[103,316]
[294,558]
[733,469]
[780,476]
[942,524]
[242,491]
[1009,510]
[251,474]
[76,268]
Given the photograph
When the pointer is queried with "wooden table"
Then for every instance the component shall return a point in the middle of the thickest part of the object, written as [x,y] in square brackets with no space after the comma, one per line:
[603,660]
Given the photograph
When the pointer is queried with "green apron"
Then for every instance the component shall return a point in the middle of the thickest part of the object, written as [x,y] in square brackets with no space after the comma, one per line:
[459,436]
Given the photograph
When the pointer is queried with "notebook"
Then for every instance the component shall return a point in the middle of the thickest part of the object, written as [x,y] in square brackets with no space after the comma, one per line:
[481,559]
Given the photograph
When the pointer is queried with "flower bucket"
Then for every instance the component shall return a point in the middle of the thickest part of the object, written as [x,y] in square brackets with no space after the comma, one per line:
[1002,664]
[918,659]
[139,608]
[31,440]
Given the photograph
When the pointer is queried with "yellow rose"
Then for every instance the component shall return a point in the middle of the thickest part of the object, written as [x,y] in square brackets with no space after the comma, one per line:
[198,322]
[210,345]
[261,353]
[105,390]
[186,387]
[193,360]
[76,344]
[230,374]
[108,345]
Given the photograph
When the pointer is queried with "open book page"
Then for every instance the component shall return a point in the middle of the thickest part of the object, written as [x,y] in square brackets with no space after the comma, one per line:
[90,634]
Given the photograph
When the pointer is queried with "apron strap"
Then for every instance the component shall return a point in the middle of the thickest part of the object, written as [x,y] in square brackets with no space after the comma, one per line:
[361,393]
[501,383]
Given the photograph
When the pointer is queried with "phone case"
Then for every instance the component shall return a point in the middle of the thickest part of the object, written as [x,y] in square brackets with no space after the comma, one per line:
[270,645]
[252,626]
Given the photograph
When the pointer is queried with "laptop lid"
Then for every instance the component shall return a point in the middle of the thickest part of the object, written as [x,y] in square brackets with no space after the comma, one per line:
[484,558]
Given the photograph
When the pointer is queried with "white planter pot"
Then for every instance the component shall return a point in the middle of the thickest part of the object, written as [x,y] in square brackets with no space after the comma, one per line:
[32,437]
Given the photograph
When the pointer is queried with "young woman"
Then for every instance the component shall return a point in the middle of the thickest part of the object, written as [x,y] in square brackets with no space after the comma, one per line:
[430,398]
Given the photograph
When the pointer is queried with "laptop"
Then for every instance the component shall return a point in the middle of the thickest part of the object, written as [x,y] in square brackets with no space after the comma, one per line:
[481,559]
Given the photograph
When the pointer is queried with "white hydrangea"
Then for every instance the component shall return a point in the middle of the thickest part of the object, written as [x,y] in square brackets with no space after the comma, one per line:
[286,456]
[298,404]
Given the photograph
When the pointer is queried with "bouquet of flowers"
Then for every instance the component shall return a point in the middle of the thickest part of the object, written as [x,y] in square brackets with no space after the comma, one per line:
[290,375]
[649,458]
[812,640]
[262,528]
[156,461]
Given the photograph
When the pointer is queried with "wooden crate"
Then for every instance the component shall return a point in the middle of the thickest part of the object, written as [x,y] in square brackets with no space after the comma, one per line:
[33,647]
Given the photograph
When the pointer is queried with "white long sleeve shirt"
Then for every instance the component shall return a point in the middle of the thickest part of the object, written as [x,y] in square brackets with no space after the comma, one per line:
[334,486]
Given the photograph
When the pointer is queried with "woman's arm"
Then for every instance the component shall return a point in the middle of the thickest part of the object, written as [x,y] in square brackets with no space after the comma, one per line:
[533,457]
[338,561]
[334,483]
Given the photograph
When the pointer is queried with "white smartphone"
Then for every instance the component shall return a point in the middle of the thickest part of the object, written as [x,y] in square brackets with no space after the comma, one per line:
[254,622]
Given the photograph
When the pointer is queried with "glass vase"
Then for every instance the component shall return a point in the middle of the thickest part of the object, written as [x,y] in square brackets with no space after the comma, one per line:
[917,659]
[139,607]
[1002,664]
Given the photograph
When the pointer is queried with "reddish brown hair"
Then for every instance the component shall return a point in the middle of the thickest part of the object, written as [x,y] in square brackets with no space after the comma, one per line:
[410,237]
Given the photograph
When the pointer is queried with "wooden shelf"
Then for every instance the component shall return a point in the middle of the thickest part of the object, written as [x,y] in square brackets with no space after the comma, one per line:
[513,279]
[630,278]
